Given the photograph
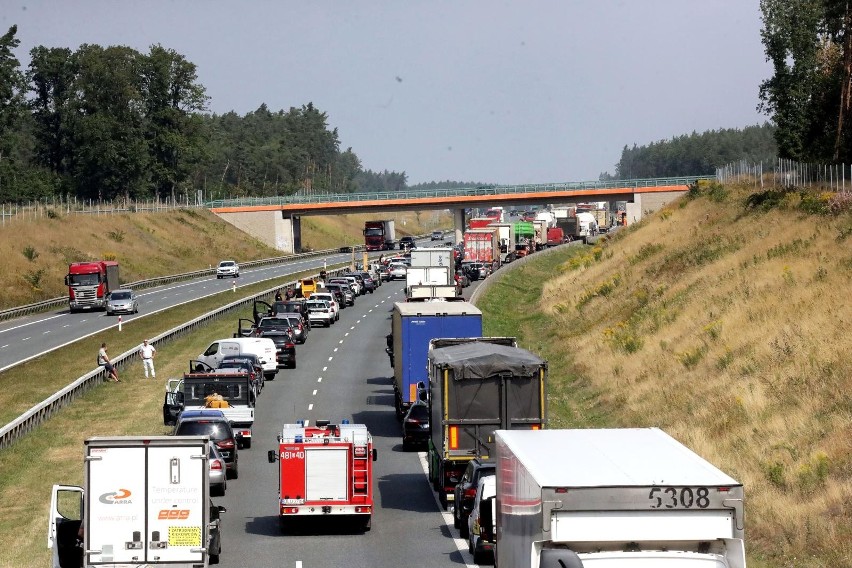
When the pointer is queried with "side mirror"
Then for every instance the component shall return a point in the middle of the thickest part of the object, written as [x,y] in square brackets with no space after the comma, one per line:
[375,454]
[272,455]
[66,280]
[454,480]
[222,509]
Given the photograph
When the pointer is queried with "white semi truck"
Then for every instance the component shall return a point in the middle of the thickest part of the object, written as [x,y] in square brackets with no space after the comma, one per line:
[431,274]
[145,501]
[612,498]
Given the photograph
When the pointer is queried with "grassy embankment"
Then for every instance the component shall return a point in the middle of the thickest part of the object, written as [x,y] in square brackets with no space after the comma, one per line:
[725,326]
[37,252]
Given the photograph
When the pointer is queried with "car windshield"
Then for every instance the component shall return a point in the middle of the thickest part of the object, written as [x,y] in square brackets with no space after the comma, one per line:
[82,279]
[225,264]
[120,296]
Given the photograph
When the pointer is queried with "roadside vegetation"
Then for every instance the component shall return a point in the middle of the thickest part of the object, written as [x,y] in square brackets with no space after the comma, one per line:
[719,319]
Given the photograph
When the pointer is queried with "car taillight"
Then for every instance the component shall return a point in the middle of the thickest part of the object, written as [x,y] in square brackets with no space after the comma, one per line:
[289,345]
[470,493]
[216,464]
[413,421]
[225,444]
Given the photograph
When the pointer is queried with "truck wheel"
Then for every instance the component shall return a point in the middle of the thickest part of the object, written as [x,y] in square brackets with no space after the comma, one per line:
[464,531]
[368,523]
[214,559]
[406,446]
[456,522]
[247,444]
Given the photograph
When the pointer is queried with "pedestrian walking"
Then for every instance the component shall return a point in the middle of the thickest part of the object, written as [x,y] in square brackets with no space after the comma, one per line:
[147,353]
[103,361]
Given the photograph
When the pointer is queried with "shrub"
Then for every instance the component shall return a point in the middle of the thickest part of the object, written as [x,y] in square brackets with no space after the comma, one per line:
[691,357]
[33,278]
[775,474]
[840,202]
[812,475]
[51,214]
[646,251]
[30,253]
[766,200]
[109,255]
[117,235]
[815,203]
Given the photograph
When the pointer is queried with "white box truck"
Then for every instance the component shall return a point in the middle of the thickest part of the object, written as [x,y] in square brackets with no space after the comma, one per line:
[431,274]
[145,501]
[612,498]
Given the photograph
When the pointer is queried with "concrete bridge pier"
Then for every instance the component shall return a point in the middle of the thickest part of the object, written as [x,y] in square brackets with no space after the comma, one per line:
[278,229]
[458,225]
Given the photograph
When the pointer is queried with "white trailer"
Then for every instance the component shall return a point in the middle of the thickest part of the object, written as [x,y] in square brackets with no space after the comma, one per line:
[613,498]
[144,502]
[431,274]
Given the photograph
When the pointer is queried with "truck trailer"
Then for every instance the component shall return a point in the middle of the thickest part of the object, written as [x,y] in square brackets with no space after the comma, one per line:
[478,385]
[481,245]
[379,235]
[90,283]
[145,501]
[431,274]
[506,241]
[413,325]
[612,498]
[324,471]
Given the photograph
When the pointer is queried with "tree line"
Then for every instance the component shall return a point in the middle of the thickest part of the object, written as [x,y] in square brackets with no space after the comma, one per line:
[107,123]
[696,153]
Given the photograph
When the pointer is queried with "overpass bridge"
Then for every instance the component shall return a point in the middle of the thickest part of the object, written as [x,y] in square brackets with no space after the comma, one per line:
[276,220]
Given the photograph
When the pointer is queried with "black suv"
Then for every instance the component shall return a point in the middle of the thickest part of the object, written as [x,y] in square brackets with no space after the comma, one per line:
[211,423]
[465,491]
[407,243]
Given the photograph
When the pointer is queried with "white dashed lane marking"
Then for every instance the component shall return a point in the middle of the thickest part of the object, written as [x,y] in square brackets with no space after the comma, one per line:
[314,393]
[310,407]
[319,380]
[324,369]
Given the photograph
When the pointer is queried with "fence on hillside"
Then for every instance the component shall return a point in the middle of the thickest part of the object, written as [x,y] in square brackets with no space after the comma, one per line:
[788,173]
[61,207]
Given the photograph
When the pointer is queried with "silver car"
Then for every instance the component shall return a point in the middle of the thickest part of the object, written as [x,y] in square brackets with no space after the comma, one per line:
[228,268]
[217,469]
[122,301]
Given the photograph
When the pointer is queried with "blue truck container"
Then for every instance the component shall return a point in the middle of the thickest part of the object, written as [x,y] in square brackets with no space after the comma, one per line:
[413,325]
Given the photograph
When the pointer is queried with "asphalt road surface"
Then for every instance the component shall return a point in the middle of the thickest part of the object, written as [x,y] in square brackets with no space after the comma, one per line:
[343,373]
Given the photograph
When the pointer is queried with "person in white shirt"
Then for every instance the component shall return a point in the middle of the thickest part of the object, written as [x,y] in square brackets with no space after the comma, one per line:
[147,353]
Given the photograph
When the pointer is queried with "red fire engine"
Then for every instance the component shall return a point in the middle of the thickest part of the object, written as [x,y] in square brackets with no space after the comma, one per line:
[325,470]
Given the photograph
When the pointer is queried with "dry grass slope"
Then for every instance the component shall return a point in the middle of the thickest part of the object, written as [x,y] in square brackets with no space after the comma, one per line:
[728,329]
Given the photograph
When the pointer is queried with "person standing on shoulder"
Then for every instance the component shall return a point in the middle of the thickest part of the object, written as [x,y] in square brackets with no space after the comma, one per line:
[103,361]
[147,353]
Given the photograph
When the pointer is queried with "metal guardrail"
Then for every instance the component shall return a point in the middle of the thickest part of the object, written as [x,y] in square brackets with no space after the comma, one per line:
[151,282]
[457,192]
[33,417]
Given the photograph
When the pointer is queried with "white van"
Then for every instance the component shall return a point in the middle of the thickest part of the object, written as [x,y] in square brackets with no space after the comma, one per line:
[263,347]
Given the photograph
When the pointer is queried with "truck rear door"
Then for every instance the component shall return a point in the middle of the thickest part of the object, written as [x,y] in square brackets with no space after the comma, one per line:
[66,513]
[326,474]
[156,513]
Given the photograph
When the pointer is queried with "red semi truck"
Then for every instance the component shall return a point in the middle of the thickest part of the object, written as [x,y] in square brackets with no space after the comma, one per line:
[480,222]
[379,235]
[90,283]
[325,470]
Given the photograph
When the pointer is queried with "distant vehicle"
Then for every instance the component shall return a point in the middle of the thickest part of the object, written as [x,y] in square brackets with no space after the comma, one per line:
[437,235]
[379,235]
[347,295]
[329,298]
[320,312]
[89,284]
[217,472]
[122,301]
[415,426]
[298,325]
[228,268]
[407,243]
[397,270]
[247,364]
[262,347]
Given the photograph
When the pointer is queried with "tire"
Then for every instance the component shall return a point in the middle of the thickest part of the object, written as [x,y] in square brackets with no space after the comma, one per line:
[456,522]
[293,365]
[368,523]
[214,559]
[406,446]
[471,548]
[464,531]
[235,473]
[247,444]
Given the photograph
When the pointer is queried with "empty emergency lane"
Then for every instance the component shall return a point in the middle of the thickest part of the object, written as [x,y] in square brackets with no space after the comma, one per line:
[356,385]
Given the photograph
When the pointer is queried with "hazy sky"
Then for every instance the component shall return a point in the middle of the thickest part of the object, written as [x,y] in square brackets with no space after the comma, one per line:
[517,91]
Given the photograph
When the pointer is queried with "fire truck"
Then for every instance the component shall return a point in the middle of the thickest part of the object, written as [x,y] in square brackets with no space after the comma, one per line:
[325,470]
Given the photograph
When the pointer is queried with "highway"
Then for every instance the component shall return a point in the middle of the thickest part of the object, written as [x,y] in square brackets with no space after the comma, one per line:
[27,337]
[343,372]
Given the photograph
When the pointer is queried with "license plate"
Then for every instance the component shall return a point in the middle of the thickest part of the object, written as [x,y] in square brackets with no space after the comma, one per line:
[225,454]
